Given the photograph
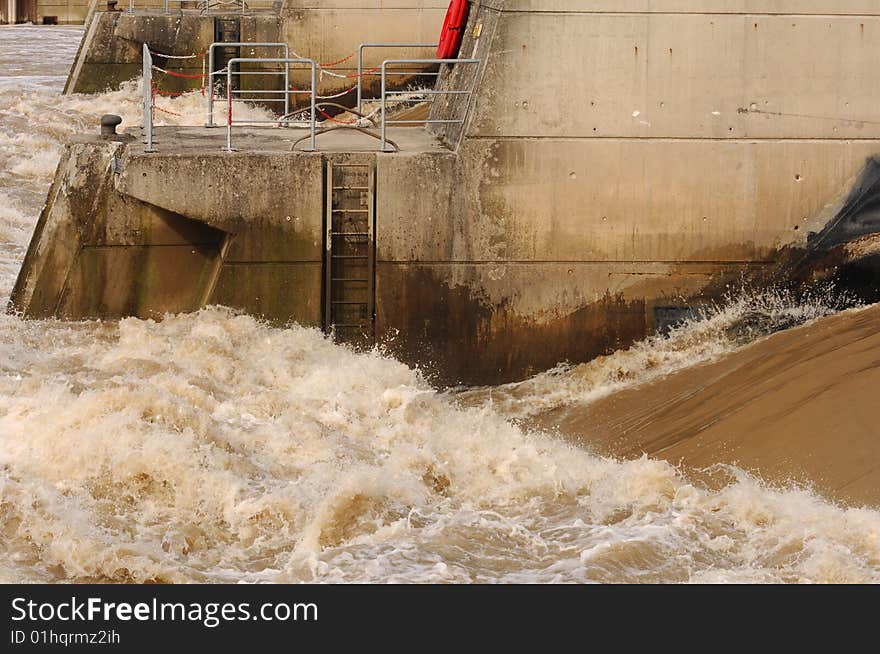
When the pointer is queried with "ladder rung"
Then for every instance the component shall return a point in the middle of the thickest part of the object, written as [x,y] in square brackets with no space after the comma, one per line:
[350,324]
[347,279]
[348,302]
[349,233]
[349,210]
[351,188]
[350,256]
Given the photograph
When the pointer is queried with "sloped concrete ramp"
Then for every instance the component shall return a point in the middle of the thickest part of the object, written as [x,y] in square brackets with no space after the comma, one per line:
[798,405]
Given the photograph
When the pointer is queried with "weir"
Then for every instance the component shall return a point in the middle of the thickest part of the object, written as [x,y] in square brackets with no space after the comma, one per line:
[519,221]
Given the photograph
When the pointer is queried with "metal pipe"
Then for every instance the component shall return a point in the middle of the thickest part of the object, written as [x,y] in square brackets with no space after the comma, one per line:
[286,80]
[420,73]
[210,121]
[314,84]
[262,92]
[432,61]
[147,83]
[229,106]
[382,108]
[304,123]
[427,92]
[234,92]
[360,65]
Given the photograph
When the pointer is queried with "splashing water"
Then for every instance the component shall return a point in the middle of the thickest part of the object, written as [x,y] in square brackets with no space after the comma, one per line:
[212,447]
[741,317]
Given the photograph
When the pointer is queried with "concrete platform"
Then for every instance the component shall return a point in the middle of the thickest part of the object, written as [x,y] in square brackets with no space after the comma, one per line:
[198,140]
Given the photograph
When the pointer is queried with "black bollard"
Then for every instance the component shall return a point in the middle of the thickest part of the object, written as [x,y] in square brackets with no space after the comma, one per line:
[108,125]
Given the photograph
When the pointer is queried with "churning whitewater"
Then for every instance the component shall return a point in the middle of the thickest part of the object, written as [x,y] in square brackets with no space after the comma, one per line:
[211,447]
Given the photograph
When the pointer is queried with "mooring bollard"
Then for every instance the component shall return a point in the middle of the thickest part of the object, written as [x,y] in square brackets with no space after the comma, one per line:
[108,125]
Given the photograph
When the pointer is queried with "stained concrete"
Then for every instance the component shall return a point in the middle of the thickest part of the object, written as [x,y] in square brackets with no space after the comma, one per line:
[597,178]
[327,32]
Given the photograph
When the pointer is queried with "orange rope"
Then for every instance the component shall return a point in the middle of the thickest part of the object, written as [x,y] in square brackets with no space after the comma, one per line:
[168,94]
[366,72]
[336,120]
[155,107]
[336,63]
[165,111]
[183,75]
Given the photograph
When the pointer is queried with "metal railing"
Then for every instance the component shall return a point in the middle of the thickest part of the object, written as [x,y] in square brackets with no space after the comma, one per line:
[389,67]
[212,73]
[148,100]
[207,6]
[435,92]
[360,65]
[286,92]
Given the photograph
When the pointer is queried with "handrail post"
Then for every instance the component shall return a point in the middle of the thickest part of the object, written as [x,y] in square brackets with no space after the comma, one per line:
[210,121]
[287,81]
[131,7]
[148,99]
[166,7]
[360,77]
[314,117]
[229,107]
[384,146]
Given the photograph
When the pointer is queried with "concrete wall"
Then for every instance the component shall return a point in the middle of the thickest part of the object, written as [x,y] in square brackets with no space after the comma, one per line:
[628,155]
[111,50]
[272,208]
[67,12]
[96,252]
[327,32]
[727,116]
[124,233]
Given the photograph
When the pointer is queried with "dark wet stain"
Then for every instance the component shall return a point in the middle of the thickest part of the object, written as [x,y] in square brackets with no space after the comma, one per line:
[859,215]
[457,339]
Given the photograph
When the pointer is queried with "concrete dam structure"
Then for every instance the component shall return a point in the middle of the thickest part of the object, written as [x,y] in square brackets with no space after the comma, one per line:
[329,31]
[591,171]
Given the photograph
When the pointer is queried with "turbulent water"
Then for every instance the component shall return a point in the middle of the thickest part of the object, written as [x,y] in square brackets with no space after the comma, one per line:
[211,447]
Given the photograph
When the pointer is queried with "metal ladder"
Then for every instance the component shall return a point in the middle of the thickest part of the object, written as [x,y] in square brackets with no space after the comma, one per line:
[349,263]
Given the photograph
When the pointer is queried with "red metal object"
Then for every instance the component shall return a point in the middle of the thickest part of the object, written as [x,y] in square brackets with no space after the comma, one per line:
[453,29]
